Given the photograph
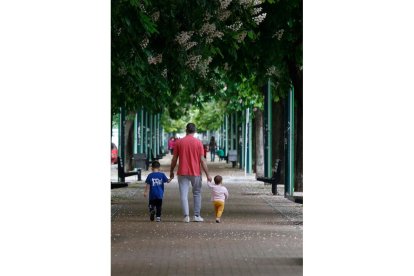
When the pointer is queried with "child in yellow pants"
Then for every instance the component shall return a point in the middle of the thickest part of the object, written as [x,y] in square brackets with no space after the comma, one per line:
[219,194]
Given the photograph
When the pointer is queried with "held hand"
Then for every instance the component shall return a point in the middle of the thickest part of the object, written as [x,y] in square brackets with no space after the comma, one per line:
[171,175]
[209,178]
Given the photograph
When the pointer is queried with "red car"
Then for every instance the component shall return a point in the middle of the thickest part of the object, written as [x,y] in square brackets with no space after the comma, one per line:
[114,154]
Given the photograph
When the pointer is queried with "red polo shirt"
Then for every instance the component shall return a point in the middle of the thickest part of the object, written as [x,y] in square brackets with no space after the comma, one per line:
[189,151]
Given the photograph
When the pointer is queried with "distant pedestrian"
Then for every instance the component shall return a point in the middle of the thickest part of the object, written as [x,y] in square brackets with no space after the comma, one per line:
[213,147]
[220,154]
[205,147]
[155,184]
[171,144]
[219,194]
[189,150]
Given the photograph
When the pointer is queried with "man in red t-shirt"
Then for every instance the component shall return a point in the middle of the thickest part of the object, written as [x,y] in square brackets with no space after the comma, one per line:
[190,151]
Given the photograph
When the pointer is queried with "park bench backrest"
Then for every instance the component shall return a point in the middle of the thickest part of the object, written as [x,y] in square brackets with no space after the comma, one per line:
[140,160]
[232,155]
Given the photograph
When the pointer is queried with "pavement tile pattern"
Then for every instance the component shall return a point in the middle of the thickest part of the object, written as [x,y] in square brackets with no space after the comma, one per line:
[260,234]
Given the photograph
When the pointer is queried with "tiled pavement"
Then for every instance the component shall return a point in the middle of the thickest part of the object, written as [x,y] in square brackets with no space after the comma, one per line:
[260,234]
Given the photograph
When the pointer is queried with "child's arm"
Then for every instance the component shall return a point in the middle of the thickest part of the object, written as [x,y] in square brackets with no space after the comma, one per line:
[210,184]
[226,193]
[146,190]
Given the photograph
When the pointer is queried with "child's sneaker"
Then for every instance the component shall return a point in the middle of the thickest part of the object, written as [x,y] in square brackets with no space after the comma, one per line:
[152,215]
[158,219]
[218,220]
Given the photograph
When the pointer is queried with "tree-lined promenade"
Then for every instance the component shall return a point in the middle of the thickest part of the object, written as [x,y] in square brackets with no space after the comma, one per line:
[228,66]
[260,234]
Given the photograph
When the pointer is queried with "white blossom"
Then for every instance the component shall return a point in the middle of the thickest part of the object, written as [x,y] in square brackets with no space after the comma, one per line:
[164,73]
[223,15]
[190,45]
[224,4]
[272,71]
[144,43]
[183,37]
[279,34]
[257,2]
[207,17]
[132,52]
[236,26]
[226,66]
[193,61]
[142,7]
[209,30]
[203,67]
[245,2]
[241,36]
[249,3]
[155,60]
[258,19]
[155,16]
[257,10]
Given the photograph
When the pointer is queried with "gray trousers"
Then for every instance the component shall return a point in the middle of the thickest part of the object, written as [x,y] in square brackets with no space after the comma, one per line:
[184,184]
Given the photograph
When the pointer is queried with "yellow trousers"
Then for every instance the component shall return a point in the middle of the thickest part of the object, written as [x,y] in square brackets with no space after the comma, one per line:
[219,208]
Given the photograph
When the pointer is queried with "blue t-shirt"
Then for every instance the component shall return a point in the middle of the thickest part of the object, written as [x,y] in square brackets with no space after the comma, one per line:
[156,181]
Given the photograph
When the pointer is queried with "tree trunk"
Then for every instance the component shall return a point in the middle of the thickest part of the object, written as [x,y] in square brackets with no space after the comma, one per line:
[259,143]
[129,144]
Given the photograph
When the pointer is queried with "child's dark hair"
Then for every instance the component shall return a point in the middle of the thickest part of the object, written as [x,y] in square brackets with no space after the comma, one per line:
[218,179]
[155,164]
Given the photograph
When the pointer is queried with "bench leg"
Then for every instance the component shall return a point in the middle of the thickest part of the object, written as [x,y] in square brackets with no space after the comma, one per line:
[139,174]
[274,189]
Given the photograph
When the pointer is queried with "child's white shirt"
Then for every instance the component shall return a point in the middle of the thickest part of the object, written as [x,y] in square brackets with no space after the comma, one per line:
[218,192]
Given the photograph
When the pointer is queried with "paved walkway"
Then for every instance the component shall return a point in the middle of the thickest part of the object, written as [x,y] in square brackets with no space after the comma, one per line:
[260,234]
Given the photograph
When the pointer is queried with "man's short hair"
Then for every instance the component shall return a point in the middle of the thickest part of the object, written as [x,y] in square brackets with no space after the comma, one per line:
[190,128]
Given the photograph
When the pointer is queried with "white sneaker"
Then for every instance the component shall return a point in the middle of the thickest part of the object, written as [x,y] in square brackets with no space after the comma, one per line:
[186,219]
[198,219]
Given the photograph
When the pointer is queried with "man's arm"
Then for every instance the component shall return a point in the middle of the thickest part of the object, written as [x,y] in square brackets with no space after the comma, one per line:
[173,164]
[205,169]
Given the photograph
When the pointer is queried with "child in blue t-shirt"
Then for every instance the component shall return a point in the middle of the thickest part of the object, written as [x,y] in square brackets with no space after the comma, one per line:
[155,184]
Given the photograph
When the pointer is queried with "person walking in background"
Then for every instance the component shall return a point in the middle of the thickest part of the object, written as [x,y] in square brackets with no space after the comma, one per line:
[219,194]
[171,144]
[155,185]
[189,150]
[205,148]
[220,154]
[213,148]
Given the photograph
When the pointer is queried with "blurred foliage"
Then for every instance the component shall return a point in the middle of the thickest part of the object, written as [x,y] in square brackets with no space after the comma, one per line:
[208,117]
[156,45]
